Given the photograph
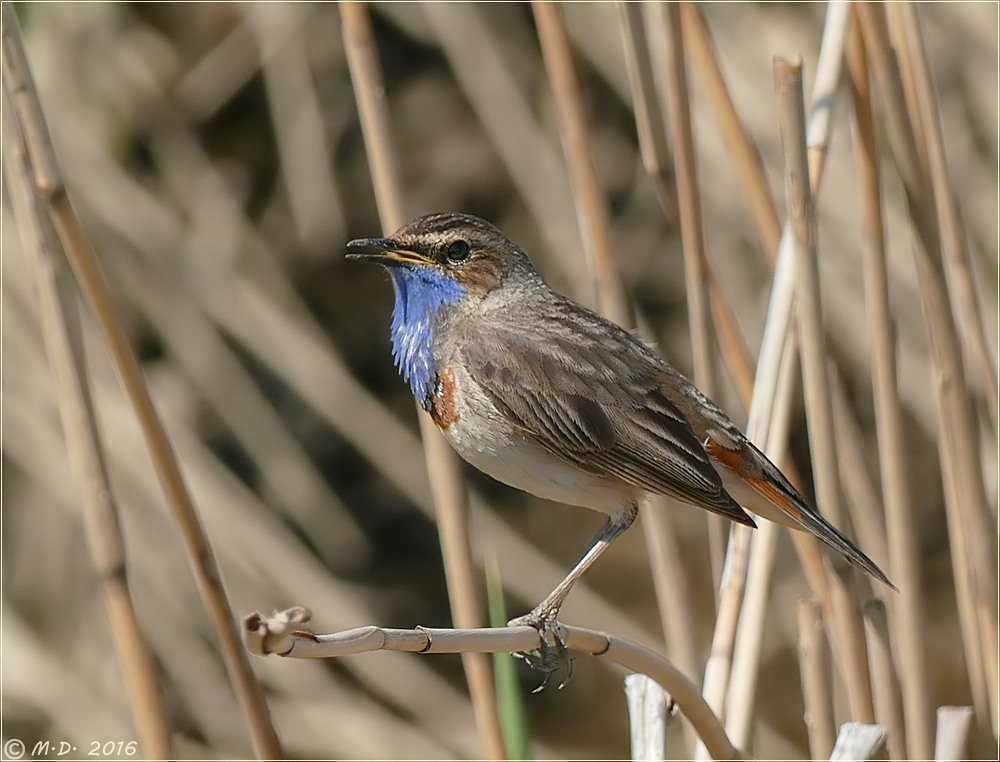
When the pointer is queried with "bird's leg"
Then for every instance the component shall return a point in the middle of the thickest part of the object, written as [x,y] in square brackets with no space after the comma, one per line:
[543,616]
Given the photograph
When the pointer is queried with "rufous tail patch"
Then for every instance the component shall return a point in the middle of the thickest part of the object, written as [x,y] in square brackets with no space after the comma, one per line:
[736,462]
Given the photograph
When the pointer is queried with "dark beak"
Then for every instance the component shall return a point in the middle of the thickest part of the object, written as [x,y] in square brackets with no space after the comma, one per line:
[384,251]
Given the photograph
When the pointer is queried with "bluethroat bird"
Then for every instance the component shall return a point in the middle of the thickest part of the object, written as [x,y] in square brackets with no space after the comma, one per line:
[547,396]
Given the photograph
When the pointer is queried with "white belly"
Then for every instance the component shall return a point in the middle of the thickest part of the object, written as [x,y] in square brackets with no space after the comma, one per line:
[512,459]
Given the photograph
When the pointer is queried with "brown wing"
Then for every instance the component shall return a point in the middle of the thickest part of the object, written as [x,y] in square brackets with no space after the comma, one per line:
[590,393]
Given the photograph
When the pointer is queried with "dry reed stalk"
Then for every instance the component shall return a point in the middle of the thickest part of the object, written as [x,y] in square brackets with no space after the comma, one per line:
[697,276]
[444,471]
[863,502]
[297,117]
[650,126]
[290,481]
[822,444]
[888,711]
[848,635]
[215,80]
[654,151]
[48,181]
[817,678]
[744,155]
[669,577]
[369,91]
[64,347]
[904,554]
[954,244]
[591,210]
[535,167]
[670,585]
[954,728]
[730,601]
[649,715]
[751,176]
[859,741]
[249,531]
[736,356]
[970,523]
[748,646]
[905,58]
[689,205]
[774,373]
[741,692]
[809,551]
[655,156]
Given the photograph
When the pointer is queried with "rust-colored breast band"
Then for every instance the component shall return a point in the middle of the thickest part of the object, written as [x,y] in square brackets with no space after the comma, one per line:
[443,409]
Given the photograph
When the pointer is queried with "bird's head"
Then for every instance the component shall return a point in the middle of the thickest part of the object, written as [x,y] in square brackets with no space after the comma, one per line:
[437,250]
[443,266]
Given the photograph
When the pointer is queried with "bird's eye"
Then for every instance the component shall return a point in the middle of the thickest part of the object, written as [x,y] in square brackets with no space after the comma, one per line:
[458,251]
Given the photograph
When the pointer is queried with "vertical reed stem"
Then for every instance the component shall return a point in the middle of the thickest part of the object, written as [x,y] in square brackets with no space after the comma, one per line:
[668,575]
[904,554]
[64,346]
[769,406]
[745,157]
[696,274]
[592,213]
[817,678]
[822,445]
[970,524]
[447,484]
[954,244]
[689,205]
[48,181]
[887,709]
[649,123]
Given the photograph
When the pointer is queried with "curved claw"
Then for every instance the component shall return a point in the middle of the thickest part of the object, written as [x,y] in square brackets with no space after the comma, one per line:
[552,653]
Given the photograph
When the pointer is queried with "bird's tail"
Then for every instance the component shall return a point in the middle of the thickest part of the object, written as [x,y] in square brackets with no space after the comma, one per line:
[813,522]
[757,484]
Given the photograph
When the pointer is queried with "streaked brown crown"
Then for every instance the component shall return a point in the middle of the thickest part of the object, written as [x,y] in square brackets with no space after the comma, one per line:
[491,255]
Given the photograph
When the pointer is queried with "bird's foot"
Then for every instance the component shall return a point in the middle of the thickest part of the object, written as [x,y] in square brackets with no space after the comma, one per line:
[552,654]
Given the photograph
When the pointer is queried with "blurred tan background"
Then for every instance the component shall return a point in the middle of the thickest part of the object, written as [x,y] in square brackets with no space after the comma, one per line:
[214,153]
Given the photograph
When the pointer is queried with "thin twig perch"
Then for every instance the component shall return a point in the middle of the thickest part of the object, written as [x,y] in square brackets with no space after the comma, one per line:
[282,633]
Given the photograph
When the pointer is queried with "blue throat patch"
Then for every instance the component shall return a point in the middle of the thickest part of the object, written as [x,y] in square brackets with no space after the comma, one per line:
[420,293]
